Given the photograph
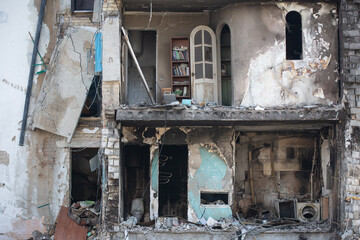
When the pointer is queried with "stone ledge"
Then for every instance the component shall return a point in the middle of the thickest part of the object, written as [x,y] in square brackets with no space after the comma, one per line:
[224,116]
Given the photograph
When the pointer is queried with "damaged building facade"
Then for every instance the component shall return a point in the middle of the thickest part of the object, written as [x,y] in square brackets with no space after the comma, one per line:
[215,119]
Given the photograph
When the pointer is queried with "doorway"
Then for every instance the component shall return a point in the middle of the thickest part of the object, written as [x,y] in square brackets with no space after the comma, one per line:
[136,178]
[144,46]
[173,165]
[85,181]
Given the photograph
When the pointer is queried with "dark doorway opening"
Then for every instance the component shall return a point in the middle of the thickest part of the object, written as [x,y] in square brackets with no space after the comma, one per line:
[173,165]
[293,36]
[144,46]
[226,79]
[136,180]
[85,181]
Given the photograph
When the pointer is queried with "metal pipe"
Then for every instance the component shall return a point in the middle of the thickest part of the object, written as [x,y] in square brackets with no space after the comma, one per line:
[31,74]
[138,66]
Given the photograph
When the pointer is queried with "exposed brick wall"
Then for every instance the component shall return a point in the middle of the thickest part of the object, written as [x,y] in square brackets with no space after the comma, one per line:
[350,71]
[112,7]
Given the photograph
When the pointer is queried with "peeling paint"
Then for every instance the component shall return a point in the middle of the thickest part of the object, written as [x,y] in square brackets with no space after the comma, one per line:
[209,176]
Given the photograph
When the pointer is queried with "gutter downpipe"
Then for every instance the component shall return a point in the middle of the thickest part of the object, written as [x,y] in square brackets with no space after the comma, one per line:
[31,74]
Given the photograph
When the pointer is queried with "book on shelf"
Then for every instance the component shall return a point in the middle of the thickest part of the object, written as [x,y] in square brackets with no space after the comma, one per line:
[181,70]
[180,53]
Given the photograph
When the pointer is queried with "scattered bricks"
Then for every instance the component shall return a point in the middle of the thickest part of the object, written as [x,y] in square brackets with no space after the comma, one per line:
[116,175]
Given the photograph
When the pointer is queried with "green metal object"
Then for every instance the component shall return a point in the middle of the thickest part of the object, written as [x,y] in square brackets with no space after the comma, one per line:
[42,60]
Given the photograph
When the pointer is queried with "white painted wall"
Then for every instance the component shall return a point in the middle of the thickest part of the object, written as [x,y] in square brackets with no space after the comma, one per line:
[16,19]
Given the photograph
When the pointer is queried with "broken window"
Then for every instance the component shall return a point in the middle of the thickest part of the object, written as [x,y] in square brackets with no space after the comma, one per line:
[92,105]
[293,36]
[85,181]
[82,5]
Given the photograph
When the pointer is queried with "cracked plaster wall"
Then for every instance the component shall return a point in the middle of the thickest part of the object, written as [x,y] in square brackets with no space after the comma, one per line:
[262,76]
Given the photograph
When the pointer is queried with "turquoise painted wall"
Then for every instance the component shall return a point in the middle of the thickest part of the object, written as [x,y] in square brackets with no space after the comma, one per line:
[155,172]
[209,176]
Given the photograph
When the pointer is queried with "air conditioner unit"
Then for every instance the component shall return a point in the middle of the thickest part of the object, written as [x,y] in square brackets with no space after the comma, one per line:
[308,212]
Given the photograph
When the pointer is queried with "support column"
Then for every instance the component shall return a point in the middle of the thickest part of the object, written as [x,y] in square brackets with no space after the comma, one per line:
[111,85]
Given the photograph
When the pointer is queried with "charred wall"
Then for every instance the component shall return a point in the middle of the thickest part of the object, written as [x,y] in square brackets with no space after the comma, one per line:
[261,74]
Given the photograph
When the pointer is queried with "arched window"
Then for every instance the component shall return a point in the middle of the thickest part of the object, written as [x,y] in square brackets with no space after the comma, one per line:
[293,36]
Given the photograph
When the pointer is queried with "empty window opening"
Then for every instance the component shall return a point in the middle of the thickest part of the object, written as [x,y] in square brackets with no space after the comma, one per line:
[92,105]
[82,5]
[144,46]
[293,36]
[214,198]
[136,182]
[226,82]
[85,180]
[173,164]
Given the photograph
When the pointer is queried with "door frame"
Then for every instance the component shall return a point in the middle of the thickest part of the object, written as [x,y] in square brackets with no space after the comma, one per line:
[213,45]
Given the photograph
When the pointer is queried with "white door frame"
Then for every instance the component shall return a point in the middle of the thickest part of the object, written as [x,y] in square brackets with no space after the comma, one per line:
[204,81]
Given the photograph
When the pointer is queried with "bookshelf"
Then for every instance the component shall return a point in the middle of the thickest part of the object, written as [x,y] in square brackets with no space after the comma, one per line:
[180,67]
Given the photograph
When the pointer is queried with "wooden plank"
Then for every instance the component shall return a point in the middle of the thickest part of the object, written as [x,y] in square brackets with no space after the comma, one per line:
[67,229]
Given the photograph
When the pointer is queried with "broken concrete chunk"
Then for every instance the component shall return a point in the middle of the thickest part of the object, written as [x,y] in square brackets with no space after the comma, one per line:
[211,222]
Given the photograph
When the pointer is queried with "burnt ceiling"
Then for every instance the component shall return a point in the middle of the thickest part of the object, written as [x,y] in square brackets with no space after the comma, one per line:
[189,5]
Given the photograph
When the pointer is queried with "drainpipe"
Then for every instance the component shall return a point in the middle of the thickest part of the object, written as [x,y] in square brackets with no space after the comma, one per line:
[31,74]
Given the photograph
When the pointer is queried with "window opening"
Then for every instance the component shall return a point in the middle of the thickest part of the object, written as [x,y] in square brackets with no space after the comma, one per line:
[173,164]
[214,198]
[225,45]
[85,181]
[293,36]
[136,182]
[92,105]
[82,5]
